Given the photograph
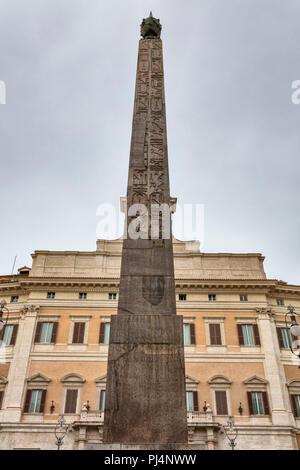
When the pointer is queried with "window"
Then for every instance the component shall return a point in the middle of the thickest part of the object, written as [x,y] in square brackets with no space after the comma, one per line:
[284,338]
[102,400]
[243,298]
[9,335]
[189,334]
[51,295]
[280,302]
[296,405]
[1,398]
[248,335]
[46,332]
[112,296]
[71,401]
[78,333]
[14,298]
[192,401]
[104,333]
[212,297]
[221,402]
[82,295]
[182,297]
[258,403]
[35,401]
[215,333]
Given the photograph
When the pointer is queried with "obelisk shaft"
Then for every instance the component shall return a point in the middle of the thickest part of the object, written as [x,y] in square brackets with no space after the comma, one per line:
[145,398]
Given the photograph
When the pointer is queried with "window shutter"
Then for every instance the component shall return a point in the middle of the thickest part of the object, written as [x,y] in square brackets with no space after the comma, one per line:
[43,400]
[27,401]
[240,334]
[54,332]
[2,333]
[266,403]
[1,398]
[78,334]
[14,335]
[294,407]
[218,333]
[81,332]
[195,401]
[250,404]
[256,335]
[38,332]
[280,339]
[75,333]
[102,333]
[192,333]
[212,333]
[71,401]
[215,333]
[221,402]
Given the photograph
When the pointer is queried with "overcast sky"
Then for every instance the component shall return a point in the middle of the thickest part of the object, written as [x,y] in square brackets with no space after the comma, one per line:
[233,132]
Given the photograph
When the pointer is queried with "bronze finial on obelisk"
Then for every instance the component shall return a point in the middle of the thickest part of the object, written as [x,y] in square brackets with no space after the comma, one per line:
[145,393]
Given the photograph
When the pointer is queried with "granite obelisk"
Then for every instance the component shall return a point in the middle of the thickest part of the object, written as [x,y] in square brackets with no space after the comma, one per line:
[145,392]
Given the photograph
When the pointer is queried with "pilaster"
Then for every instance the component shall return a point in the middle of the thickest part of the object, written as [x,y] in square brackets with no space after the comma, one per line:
[274,371]
[18,372]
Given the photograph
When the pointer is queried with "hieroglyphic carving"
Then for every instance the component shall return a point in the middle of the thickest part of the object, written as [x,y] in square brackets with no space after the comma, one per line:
[148,182]
[156,180]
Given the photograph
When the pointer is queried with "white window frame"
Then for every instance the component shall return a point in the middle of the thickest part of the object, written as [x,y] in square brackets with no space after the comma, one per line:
[220,321]
[79,319]
[220,383]
[72,382]
[188,321]
[101,385]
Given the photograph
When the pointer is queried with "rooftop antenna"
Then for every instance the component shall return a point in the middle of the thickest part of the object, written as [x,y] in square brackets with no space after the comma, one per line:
[13,268]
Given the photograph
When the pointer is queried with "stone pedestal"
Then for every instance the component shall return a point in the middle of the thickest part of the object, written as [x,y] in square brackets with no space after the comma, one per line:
[145,402]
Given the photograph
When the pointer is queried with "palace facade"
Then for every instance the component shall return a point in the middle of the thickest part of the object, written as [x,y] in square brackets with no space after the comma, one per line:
[53,355]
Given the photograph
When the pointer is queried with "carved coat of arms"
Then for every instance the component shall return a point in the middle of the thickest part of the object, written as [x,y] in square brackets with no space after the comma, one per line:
[153,289]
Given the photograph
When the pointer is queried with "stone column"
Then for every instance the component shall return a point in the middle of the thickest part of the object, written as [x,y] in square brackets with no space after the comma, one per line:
[18,371]
[274,371]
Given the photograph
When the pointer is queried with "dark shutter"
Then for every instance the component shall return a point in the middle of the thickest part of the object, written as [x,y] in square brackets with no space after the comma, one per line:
[38,332]
[195,401]
[81,332]
[250,403]
[294,406]
[54,332]
[266,403]
[2,332]
[27,401]
[78,334]
[215,333]
[102,333]
[221,402]
[192,333]
[43,400]
[280,338]
[256,335]
[14,335]
[71,401]
[1,398]
[240,334]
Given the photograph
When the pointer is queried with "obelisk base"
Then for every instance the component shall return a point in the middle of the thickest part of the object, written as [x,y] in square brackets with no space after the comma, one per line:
[145,404]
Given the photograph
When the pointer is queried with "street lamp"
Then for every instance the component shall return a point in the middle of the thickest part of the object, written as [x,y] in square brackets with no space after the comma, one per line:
[294,329]
[60,431]
[231,432]
[2,308]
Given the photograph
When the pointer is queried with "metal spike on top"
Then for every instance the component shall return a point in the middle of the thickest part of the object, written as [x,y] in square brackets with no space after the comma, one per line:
[150,27]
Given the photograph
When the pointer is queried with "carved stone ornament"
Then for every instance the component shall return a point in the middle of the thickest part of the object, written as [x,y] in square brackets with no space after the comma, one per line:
[27,309]
[150,28]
